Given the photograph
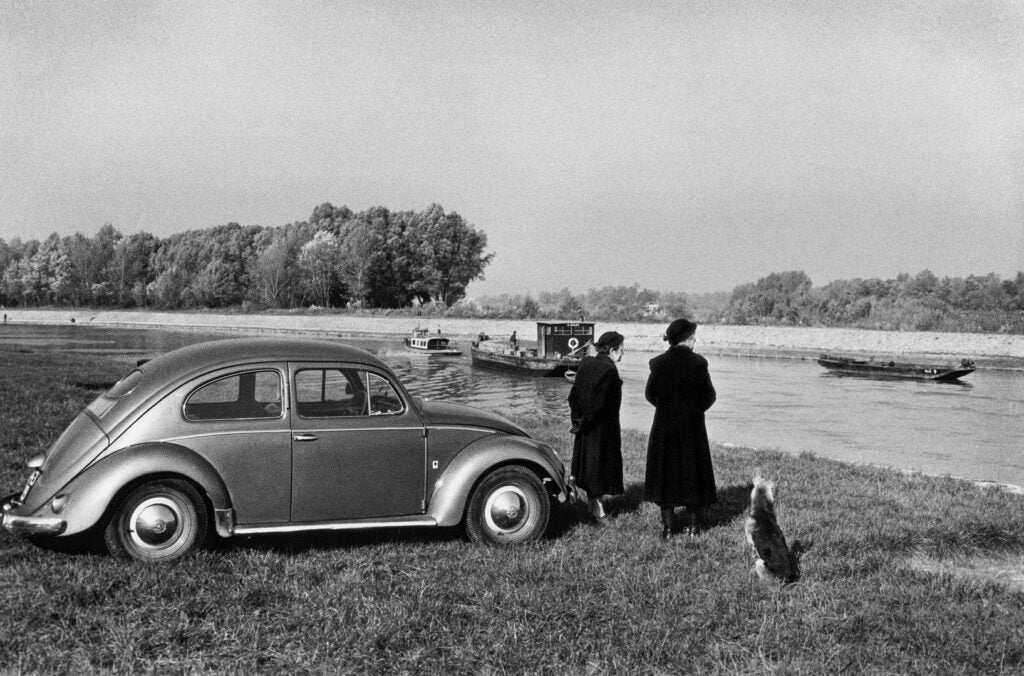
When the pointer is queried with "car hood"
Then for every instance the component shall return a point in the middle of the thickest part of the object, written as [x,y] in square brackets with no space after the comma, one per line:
[443,413]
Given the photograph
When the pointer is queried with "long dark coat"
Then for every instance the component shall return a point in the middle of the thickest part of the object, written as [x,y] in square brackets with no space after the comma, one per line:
[679,470]
[594,402]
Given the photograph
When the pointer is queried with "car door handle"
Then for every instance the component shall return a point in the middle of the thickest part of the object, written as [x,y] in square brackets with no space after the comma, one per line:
[304,437]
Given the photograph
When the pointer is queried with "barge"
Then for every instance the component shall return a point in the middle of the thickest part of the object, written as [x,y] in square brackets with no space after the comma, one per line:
[559,347]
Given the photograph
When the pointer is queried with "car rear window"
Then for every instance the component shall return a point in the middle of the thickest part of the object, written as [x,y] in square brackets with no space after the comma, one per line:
[124,385]
[106,401]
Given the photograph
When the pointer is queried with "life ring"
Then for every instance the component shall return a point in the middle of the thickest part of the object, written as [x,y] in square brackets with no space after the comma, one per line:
[574,342]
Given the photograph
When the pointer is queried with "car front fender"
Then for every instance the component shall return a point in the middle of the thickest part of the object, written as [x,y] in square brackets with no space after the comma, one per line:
[452,489]
[92,493]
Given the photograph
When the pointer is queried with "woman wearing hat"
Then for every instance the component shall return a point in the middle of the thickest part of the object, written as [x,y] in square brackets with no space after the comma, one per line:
[594,402]
[679,471]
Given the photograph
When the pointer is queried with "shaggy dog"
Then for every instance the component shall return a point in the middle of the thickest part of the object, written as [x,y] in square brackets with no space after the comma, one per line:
[775,560]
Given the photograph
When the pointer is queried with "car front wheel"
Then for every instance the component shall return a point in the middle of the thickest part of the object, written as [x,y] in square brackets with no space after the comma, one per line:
[158,521]
[509,506]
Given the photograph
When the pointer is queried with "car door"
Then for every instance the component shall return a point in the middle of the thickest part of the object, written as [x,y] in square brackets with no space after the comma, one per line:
[358,447]
[235,419]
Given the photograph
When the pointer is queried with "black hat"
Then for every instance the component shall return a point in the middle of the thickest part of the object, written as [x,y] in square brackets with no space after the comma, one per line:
[610,340]
[680,330]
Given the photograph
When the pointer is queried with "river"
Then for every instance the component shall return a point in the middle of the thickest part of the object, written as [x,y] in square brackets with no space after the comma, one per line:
[972,429]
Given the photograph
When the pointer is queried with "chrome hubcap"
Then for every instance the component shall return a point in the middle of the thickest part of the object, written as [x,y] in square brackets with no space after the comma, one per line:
[155,522]
[507,509]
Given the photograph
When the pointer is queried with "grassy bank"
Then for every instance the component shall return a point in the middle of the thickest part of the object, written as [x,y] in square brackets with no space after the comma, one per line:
[891,584]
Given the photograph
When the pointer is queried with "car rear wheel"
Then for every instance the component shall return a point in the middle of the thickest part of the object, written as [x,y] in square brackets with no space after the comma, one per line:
[509,506]
[158,521]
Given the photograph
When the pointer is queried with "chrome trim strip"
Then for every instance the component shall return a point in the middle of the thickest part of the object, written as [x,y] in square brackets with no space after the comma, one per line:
[221,433]
[291,430]
[402,522]
[472,428]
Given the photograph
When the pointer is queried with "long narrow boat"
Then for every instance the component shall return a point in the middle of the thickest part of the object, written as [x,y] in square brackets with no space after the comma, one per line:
[431,343]
[560,346]
[893,369]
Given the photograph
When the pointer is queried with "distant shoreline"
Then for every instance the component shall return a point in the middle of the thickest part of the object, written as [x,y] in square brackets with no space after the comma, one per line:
[1003,351]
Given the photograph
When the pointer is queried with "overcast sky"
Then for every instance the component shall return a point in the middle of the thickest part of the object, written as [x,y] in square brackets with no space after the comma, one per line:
[679,145]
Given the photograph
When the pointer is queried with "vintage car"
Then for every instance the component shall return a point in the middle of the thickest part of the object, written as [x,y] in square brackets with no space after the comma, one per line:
[267,435]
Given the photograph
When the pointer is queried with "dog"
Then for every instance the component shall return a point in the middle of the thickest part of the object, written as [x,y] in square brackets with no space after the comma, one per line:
[774,560]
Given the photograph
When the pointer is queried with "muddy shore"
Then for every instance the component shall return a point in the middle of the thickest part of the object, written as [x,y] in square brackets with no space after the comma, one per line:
[988,350]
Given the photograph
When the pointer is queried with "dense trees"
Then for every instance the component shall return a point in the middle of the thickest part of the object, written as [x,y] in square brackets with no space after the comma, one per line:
[921,302]
[375,258]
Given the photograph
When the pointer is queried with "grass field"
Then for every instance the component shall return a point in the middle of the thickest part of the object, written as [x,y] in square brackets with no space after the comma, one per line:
[905,574]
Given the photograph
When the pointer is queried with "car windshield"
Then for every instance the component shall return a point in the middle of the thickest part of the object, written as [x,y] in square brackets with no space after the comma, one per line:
[106,401]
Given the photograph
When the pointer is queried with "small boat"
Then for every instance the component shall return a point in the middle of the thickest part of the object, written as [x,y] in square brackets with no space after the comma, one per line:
[893,369]
[559,348]
[423,341]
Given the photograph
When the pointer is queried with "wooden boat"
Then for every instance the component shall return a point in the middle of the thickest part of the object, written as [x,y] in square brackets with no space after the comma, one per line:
[893,369]
[423,341]
[560,346]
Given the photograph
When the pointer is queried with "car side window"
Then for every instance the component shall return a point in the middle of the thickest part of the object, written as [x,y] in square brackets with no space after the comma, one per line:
[338,392]
[241,396]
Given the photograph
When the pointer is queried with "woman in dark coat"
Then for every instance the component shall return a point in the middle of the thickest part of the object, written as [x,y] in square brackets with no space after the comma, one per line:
[679,471]
[594,402]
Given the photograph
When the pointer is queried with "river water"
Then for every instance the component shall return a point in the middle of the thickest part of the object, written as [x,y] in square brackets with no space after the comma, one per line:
[972,429]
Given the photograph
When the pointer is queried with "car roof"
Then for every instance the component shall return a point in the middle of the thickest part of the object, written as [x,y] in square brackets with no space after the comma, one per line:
[169,370]
[172,368]
[216,353]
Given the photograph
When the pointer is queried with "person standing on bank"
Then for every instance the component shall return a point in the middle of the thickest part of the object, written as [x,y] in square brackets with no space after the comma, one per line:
[679,470]
[594,402]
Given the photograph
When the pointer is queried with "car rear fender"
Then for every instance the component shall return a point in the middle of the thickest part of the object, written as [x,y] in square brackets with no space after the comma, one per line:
[95,491]
[452,489]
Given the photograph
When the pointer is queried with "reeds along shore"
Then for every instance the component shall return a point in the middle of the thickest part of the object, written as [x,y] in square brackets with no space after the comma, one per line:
[991,350]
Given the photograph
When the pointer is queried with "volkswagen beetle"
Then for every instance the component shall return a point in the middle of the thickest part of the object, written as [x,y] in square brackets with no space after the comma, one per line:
[270,435]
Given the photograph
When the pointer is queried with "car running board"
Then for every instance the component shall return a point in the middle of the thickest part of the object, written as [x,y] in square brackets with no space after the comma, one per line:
[362,524]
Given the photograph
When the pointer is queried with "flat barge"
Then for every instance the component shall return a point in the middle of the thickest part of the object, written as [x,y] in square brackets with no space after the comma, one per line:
[894,369]
[560,346]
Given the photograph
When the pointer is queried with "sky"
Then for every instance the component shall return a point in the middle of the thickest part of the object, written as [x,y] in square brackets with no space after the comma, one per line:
[687,145]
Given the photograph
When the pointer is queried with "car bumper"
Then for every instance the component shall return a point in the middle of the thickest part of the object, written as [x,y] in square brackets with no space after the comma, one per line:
[30,525]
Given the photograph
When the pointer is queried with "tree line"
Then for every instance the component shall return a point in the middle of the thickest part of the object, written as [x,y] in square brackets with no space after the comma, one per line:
[375,258]
[609,303]
[921,302]
[380,258]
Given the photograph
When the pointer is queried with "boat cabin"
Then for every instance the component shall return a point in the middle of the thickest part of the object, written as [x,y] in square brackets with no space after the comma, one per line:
[556,338]
[428,342]
[423,339]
